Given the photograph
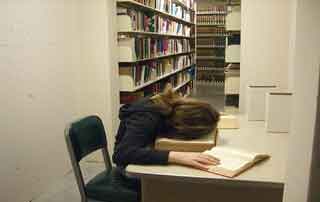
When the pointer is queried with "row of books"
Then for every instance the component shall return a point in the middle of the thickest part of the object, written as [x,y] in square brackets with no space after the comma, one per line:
[211,20]
[215,42]
[171,8]
[213,83]
[179,81]
[211,64]
[207,68]
[133,20]
[169,5]
[216,9]
[212,30]
[140,74]
[211,53]
[210,76]
[132,49]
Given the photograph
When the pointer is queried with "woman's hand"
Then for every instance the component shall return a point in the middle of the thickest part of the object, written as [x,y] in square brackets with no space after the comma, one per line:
[193,159]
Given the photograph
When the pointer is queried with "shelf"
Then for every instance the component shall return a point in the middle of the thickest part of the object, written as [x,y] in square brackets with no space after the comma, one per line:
[181,85]
[211,25]
[211,69]
[135,4]
[200,46]
[159,57]
[210,35]
[156,80]
[153,34]
[209,58]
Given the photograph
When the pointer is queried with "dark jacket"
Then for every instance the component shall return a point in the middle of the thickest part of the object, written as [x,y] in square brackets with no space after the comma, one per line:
[140,123]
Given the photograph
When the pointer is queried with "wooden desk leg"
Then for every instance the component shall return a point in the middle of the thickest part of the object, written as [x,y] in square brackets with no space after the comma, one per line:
[172,191]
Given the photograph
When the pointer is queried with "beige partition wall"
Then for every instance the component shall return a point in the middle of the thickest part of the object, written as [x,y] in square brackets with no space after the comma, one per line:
[56,66]
[265,28]
[304,156]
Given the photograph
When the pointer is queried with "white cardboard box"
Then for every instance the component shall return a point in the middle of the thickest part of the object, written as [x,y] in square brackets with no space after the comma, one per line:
[256,101]
[278,112]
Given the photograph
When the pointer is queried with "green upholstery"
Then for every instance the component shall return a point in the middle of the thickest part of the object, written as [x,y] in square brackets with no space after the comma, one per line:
[84,137]
[87,135]
[111,186]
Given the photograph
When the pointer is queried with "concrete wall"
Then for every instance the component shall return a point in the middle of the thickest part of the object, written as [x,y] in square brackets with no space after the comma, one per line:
[303,174]
[56,59]
[265,28]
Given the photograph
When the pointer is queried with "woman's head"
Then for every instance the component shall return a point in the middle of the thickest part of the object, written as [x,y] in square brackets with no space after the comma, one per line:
[187,118]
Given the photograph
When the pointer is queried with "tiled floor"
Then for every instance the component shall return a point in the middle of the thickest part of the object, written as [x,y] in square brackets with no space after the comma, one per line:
[65,190]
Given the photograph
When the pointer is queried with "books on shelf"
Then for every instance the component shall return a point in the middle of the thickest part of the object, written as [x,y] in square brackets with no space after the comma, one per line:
[133,49]
[174,9]
[211,20]
[154,46]
[170,5]
[140,75]
[212,30]
[212,10]
[184,88]
[233,161]
[212,42]
[204,68]
[179,9]
[133,20]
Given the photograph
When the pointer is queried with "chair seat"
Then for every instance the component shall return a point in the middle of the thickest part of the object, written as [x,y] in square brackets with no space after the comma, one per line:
[112,187]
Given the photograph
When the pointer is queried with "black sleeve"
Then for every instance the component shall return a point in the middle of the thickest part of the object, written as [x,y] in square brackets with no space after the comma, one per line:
[140,129]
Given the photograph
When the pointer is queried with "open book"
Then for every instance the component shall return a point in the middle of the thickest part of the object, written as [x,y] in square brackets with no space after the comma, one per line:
[233,161]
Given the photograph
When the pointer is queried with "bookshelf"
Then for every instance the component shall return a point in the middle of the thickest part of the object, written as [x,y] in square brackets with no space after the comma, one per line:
[141,33]
[131,87]
[211,37]
[143,7]
[156,46]
[232,53]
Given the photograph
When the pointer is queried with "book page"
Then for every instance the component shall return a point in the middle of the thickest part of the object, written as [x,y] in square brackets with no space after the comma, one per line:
[235,153]
[231,159]
[232,164]
[228,161]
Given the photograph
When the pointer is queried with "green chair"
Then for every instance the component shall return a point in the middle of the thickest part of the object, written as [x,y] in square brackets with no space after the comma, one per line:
[84,137]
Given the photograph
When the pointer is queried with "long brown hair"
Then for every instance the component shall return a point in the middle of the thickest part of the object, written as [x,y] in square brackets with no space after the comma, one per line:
[188,118]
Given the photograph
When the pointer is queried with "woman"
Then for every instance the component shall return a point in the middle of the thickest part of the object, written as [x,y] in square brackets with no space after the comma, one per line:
[169,114]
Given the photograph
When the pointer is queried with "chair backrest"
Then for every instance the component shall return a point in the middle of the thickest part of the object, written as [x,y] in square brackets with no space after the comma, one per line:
[84,137]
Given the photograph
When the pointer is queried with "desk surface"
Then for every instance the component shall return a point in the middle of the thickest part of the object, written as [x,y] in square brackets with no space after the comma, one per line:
[251,136]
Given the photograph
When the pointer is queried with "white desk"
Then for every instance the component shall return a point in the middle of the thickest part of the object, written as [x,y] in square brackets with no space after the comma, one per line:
[262,183]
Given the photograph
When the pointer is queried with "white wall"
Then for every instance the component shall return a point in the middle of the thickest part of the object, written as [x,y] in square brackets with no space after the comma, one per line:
[303,142]
[265,28]
[55,62]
